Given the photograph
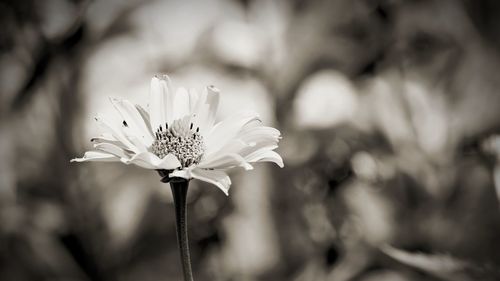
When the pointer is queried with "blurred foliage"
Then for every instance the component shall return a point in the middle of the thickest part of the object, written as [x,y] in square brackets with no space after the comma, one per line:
[389,112]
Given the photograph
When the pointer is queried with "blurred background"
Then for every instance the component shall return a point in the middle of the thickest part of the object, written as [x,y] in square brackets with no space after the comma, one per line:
[389,111]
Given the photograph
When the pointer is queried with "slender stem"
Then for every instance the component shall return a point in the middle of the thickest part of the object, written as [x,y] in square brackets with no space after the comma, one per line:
[179,191]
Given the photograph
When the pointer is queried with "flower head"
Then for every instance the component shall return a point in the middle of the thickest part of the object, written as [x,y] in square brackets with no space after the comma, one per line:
[178,136]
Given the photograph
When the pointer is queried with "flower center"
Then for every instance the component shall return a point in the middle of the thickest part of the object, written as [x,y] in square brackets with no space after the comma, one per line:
[180,140]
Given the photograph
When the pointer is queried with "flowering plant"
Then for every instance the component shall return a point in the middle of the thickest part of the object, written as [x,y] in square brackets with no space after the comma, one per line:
[178,137]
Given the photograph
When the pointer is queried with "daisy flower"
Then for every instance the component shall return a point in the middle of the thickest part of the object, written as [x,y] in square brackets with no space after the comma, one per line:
[178,136]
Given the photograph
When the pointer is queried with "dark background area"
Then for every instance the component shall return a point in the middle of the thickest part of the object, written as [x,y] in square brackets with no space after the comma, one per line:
[389,111]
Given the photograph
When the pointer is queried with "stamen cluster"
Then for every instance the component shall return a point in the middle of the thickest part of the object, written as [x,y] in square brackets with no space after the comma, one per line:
[188,148]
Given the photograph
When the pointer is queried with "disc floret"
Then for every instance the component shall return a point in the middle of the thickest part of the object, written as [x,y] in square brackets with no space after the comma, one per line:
[186,145]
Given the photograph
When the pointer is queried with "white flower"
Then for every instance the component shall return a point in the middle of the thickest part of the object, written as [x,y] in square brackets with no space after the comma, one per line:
[179,137]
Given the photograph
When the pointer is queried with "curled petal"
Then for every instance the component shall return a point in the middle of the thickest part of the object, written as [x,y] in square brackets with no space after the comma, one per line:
[265,156]
[193,99]
[184,173]
[106,139]
[149,160]
[218,178]
[134,120]
[253,143]
[213,104]
[97,156]
[233,146]
[161,101]
[112,149]
[226,130]
[115,131]
[145,116]
[206,108]
[136,141]
[260,134]
[181,102]
[226,161]
[252,139]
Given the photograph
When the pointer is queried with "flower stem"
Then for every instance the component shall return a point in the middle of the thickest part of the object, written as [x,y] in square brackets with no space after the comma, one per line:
[179,188]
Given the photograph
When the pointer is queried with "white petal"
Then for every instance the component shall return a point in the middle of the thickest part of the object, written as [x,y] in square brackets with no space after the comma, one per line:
[181,103]
[213,104]
[226,161]
[253,142]
[106,139]
[252,139]
[193,99]
[218,178]
[145,117]
[265,156]
[116,131]
[200,101]
[199,117]
[134,120]
[260,134]
[258,137]
[161,101]
[233,146]
[139,162]
[169,162]
[112,149]
[138,143]
[149,160]
[206,109]
[184,173]
[97,156]
[226,130]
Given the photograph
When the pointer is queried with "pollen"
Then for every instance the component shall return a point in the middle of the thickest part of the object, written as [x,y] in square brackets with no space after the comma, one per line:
[185,143]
